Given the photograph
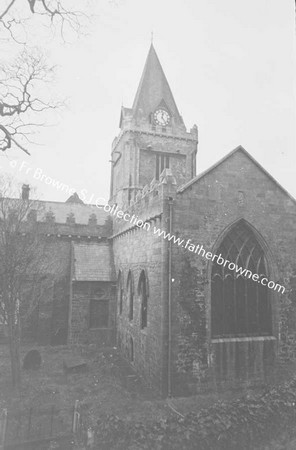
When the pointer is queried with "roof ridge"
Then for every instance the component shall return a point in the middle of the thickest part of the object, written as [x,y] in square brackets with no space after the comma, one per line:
[185,186]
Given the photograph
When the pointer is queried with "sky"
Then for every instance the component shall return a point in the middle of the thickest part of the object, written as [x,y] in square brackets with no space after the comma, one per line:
[230,65]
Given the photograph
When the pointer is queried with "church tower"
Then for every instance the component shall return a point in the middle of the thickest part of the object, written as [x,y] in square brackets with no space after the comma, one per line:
[152,137]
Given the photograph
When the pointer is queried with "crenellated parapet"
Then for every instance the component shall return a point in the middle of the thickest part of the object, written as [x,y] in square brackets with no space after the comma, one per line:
[148,204]
[69,219]
[156,131]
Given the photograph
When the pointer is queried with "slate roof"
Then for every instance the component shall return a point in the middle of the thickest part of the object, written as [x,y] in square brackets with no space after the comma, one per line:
[92,262]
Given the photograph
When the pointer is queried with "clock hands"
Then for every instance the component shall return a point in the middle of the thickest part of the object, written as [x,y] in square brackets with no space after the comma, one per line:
[162,117]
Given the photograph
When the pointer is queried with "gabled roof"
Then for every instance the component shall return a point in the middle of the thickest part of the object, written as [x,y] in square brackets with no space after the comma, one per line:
[74,198]
[236,150]
[92,262]
[154,90]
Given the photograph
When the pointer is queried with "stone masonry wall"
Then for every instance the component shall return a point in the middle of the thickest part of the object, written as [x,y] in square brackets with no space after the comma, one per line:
[136,249]
[135,170]
[80,329]
[235,189]
[54,307]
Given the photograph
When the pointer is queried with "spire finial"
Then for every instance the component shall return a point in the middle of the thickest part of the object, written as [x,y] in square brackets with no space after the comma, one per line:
[151,37]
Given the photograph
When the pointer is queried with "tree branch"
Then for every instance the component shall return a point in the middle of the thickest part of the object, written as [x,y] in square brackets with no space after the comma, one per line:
[28,74]
[55,10]
[7,9]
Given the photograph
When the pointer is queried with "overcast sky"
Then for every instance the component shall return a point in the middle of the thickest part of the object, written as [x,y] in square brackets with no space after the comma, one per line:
[231,68]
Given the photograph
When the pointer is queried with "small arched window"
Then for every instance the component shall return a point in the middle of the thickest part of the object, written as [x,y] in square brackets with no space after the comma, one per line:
[131,349]
[143,294]
[239,305]
[130,295]
[120,292]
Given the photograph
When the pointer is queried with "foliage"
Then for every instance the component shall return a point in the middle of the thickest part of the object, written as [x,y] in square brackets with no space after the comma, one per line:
[193,327]
[244,423]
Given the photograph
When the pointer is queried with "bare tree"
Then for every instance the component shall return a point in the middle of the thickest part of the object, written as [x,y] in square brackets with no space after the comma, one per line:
[23,98]
[60,14]
[23,266]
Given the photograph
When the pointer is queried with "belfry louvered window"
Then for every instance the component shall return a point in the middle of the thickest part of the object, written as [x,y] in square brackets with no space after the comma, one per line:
[239,305]
[162,162]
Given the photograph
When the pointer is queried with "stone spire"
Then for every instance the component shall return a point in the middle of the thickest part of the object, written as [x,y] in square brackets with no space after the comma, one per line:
[154,91]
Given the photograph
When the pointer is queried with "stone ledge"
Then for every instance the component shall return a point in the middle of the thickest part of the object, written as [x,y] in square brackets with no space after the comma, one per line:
[243,339]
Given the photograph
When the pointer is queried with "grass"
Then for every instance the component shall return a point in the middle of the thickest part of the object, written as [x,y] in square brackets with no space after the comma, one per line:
[102,389]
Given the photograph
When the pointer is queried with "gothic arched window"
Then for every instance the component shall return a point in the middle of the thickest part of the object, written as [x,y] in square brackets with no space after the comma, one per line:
[239,305]
[120,292]
[131,349]
[143,294]
[130,295]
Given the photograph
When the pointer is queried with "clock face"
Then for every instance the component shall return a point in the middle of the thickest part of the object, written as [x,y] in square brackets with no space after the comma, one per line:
[162,117]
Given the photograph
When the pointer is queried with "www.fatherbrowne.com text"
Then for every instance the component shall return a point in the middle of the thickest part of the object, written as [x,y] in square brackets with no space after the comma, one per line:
[101,203]
[197,249]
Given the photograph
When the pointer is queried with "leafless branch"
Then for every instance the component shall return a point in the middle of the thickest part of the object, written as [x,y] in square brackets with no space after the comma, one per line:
[57,13]
[6,10]
[23,97]
[22,253]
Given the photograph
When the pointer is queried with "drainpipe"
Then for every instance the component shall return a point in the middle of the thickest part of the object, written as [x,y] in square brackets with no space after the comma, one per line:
[170,300]
[69,334]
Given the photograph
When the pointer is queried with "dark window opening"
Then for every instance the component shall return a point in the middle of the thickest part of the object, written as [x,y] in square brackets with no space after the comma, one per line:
[120,301]
[119,293]
[131,349]
[98,313]
[129,189]
[162,162]
[192,165]
[143,299]
[130,296]
[239,305]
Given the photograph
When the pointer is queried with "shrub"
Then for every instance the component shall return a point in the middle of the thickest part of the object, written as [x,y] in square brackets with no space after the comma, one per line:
[244,423]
